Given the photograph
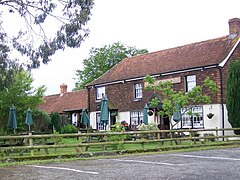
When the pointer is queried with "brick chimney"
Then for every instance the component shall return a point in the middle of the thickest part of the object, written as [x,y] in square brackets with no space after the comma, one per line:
[234,27]
[63,89]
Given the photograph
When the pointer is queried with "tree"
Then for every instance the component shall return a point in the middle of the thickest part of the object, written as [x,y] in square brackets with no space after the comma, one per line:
[233,94]
[101,60]
[20,94]
[37,16]
[55,121]
[7,66]
[173,100]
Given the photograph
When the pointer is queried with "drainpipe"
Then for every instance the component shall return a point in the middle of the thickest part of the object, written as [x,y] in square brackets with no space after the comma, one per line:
[221,88]
[88,94]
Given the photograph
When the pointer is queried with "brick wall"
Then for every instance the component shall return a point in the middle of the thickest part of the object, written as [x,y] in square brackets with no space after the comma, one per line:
[121,95]
[234,57]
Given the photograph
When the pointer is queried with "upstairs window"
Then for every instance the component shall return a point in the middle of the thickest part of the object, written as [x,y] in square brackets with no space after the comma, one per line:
[100,92]
[137,91]
[190,82]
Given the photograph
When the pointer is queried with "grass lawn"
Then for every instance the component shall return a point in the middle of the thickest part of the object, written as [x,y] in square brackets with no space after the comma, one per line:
[97,148]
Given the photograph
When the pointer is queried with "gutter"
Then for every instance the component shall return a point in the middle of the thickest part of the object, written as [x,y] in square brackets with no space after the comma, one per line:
[156,75]
[88,91]
[222,104]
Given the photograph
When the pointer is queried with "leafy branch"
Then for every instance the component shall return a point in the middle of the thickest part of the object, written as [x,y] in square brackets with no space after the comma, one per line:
[173,100]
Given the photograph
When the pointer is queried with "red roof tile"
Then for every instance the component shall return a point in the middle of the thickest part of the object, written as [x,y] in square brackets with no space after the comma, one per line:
[69,101]
[199,54]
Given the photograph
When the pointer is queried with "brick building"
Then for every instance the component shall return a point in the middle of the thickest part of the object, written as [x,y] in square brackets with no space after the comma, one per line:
[69,105]
[186,66]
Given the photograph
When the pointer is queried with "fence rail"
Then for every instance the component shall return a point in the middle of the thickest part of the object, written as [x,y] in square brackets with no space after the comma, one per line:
[31,143]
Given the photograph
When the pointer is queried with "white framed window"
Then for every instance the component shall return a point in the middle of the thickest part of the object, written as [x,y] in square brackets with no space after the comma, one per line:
[100,126]
[137,91]
[192,121]
[190,82]
[136,118]
[100,92]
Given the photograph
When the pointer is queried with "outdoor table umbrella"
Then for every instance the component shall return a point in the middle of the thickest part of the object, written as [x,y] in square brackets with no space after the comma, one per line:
[145,114]
[104,111]
[84,117]
[29,120]
[12,120]
[177,114]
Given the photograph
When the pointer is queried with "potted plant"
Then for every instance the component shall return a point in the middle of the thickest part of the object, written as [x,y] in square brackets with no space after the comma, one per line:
[115,113]
[150,112]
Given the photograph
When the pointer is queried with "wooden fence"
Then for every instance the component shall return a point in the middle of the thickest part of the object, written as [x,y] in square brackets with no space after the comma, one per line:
[31,143]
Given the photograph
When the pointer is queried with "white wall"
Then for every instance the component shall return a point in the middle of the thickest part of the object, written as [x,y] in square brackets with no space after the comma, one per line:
[216,119]
[122,116]
[93,119]
[215,122]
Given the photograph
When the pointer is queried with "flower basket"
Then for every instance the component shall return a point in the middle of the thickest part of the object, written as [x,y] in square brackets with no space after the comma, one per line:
[210,115]
[150,112]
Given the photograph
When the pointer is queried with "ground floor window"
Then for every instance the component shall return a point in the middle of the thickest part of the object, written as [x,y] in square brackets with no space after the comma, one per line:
[192,121]
[100,126]
[136,118]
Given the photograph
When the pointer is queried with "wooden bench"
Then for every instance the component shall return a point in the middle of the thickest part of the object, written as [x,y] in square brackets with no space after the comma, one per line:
[96,139]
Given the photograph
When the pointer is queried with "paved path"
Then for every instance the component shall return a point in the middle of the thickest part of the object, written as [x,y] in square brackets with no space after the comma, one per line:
[210,164]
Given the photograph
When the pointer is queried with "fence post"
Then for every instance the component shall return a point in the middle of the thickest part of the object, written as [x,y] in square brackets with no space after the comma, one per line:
[31,144]
[217,134]
[190,135]
[158,135]
[80,141]
[171,136]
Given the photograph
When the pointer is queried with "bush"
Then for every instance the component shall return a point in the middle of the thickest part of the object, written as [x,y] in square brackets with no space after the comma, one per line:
[211,135]
[144,127]
[69,129]
[55,121]
[118,127]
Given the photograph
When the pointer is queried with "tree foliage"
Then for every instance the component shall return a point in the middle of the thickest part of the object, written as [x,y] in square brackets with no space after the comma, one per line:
[233,94]
[101,60]
[32,40]
[20,94]
[172,99]
[55,121]
[7,66]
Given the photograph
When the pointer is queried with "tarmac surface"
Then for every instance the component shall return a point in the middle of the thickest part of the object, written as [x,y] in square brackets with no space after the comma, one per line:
[217,164]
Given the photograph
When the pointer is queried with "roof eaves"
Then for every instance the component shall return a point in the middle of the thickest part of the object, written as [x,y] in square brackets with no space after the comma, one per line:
[159,74]
[229,54]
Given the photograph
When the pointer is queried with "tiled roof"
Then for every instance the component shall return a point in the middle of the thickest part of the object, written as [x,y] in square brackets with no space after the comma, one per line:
[69,101]
[210,52]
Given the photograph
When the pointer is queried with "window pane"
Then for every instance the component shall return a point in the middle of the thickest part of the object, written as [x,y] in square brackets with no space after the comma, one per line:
[192,121]
[100,126]
[100,92]
[137,91]
[136,118]
[190,82]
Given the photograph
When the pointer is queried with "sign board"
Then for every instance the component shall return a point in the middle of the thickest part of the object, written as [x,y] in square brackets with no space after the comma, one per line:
[172,80]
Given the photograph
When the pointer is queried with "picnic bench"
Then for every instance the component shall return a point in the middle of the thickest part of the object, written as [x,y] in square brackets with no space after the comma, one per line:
[95,139]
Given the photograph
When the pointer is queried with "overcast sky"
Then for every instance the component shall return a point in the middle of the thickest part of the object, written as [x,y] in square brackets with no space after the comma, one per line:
[150,24]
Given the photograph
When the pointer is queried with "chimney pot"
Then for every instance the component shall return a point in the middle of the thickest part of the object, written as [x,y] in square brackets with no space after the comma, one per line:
[63,89]
[234,26]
